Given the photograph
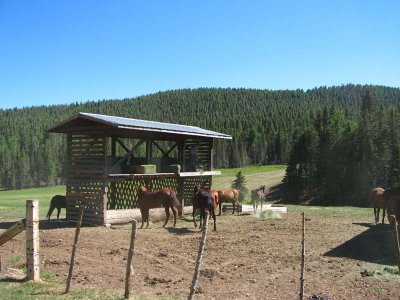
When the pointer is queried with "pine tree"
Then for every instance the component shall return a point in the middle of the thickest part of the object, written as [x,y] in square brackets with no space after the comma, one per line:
[240,184]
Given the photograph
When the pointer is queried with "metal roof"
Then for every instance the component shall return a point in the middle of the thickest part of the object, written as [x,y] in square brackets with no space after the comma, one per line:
[144,125]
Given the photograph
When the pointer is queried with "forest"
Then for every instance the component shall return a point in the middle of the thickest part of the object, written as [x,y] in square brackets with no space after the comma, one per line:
[336,141]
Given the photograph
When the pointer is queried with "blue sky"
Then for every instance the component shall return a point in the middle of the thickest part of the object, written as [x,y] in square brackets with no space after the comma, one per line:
[57,52]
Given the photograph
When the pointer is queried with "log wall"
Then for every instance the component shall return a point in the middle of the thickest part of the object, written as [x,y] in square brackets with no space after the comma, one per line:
[85,172]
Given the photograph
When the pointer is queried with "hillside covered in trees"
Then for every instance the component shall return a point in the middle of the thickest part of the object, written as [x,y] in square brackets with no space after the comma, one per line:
[267,127]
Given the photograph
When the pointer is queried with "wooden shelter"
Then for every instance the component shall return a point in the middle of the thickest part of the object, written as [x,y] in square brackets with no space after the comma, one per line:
[109,157]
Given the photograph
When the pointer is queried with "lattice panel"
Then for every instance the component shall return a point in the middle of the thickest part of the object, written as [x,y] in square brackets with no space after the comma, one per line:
[190,183]
[123,194]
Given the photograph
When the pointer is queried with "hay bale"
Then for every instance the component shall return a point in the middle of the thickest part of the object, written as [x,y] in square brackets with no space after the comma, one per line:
[146,169]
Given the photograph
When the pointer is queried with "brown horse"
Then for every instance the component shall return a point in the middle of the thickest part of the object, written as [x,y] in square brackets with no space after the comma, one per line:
[392,198]
[202,199]
[58,202]
[229,196]
[258,195]
[164,197]
[378,202]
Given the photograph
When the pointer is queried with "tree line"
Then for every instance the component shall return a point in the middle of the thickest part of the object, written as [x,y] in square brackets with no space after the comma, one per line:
[266,127]
[338,158]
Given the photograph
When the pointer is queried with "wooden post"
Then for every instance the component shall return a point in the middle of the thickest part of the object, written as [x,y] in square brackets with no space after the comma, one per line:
[181,155]
[72,262]
[211,156]
[181,194]
[1,265]
[199,259]
[129,267]
[303,254]
[395,236]
[32,240]
[149,150]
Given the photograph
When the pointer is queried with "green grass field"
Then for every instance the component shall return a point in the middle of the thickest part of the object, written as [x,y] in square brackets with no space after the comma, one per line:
[12,202]
[251,170]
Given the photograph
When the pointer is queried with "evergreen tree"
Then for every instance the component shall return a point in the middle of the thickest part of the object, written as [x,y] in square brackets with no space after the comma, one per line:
[240,184]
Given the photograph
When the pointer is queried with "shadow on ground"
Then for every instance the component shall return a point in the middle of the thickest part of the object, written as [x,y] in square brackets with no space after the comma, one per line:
[181,231]
[375,245]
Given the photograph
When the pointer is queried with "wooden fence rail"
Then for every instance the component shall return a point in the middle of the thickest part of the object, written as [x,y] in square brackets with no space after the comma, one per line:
[13,231]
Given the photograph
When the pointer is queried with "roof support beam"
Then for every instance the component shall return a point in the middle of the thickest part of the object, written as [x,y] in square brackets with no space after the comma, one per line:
[129,153]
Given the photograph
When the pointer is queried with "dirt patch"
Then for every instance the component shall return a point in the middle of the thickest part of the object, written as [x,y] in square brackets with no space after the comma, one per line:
[247,258]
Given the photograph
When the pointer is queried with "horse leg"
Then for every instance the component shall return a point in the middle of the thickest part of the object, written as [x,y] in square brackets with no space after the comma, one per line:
[147,217]
[58,212]
[261,203]
[215,219]
[234,207]
[50,212]
[175,212]
[220,207]
[202,215]
[375,215]
[167,215]
[193,215]
[383,218]
[142,212]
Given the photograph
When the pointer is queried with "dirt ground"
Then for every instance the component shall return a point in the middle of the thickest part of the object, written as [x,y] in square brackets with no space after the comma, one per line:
[246,258]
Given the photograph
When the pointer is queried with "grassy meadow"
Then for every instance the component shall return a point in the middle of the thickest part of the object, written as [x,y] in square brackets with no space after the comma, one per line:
[12,202]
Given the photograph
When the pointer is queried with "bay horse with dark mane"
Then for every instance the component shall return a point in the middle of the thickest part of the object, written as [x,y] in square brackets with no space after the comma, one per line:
[258,195]
[229,196]
[164,197]
[378,202]
[204,199]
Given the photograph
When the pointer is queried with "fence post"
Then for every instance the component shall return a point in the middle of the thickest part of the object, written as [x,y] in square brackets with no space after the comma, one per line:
[1,264]
[199,259]
[129,268]
[303,254]
[71,265]
[395,236]
[32,240]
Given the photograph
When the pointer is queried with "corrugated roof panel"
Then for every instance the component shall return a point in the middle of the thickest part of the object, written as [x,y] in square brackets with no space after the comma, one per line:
[152,125]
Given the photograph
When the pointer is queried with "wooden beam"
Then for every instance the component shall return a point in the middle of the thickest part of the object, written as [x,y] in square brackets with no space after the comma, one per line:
[121,143]
[12,231]
[159,147]
[121,160]
[171,149]
[113,146]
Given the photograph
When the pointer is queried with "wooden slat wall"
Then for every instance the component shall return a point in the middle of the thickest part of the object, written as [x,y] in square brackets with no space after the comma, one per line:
[203,153]
[85,173]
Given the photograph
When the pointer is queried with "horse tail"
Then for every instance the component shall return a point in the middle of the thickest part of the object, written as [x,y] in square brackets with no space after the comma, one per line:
[175,202]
